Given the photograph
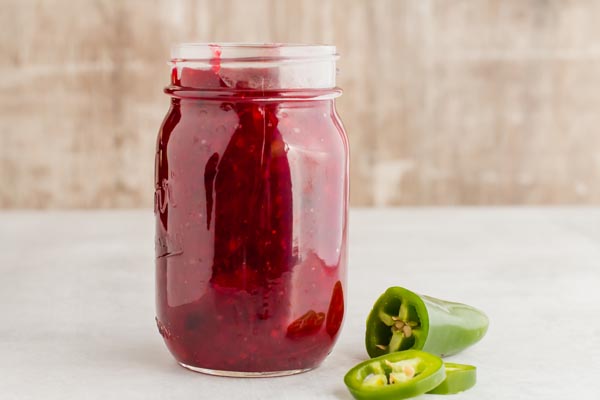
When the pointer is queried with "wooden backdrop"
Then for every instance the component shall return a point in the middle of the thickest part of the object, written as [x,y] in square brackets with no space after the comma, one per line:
[446,102]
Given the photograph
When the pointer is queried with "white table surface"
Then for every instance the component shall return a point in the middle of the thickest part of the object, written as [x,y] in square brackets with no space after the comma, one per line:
[77,303]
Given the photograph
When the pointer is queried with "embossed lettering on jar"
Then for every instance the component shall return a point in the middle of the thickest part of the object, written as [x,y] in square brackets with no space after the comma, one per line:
[251,198]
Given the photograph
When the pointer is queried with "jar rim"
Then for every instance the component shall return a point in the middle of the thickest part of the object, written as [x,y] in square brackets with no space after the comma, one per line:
[232,51]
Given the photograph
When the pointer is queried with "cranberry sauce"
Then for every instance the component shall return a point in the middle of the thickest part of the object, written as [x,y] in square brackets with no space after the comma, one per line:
[251,206]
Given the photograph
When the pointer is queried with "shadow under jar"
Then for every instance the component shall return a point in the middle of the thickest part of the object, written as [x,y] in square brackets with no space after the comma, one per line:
[251,204]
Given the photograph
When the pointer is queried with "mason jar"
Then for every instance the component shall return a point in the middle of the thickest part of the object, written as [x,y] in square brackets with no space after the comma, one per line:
[251,205]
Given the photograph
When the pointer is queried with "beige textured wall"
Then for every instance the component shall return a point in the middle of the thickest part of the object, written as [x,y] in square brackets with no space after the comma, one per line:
[446,102]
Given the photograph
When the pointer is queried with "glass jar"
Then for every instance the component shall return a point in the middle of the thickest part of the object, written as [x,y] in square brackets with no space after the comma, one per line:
[251,201]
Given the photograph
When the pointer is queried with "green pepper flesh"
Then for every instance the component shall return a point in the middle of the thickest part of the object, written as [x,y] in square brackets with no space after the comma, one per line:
[402,320]
[397,375]
[459,377]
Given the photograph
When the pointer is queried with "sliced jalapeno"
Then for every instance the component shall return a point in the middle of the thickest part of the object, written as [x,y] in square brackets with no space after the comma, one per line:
[399,375]
[402,320]
[459,377]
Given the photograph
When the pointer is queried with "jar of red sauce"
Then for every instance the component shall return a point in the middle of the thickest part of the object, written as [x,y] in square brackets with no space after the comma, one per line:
[251,204]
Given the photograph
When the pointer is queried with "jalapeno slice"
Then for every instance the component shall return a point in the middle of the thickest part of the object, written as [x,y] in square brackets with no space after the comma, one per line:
[459,377]
[398,375]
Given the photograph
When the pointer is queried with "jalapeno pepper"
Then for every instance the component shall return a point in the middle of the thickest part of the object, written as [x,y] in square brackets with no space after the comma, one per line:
[402,320]
[459,377]
[398,375]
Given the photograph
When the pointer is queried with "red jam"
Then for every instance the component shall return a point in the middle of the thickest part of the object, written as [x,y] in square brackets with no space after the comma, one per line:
[251,210]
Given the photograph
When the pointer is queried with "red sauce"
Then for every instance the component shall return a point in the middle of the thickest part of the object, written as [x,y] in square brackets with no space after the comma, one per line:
[251,210]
